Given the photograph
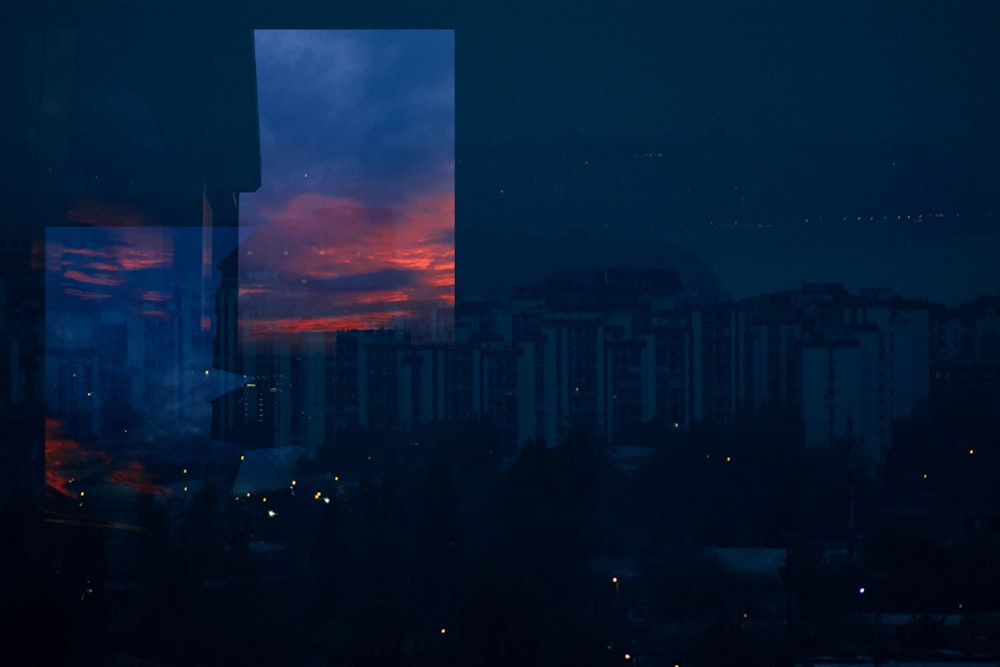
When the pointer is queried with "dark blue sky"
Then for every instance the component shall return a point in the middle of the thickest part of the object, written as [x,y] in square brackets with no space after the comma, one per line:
[768,73]
[766,115]
[364,114]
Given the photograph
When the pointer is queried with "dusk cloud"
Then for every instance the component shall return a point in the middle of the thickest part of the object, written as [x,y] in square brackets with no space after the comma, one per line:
[354,222]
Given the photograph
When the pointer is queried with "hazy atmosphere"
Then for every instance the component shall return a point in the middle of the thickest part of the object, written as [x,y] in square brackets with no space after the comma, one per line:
[371,334]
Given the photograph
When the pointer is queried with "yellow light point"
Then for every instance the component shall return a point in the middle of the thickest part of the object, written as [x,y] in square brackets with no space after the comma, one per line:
[336,478]
[293,482]
[248,494]
[444,630]
[971,452]
[925,475]
[729,459]
[185,489]
[628,656]
[317,496]
[242,457]
[264,499]
[185,471]
[614,580]
[206,371]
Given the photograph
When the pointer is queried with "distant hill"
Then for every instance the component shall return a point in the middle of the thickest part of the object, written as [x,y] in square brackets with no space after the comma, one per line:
[491,262]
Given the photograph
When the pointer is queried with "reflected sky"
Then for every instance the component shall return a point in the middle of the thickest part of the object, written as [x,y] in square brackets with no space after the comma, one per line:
[352,228]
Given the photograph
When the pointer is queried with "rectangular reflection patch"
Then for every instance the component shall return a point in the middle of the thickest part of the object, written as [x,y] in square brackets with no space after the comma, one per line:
[353,226]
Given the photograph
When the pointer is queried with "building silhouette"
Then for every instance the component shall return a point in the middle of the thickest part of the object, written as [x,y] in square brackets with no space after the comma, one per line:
[112,128]
[616,352]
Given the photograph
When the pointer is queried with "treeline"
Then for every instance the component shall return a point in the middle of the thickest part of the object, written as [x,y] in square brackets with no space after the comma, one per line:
[449,551]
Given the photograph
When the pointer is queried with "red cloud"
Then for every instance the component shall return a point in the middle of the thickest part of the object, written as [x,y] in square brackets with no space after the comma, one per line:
[86,295]
[81,277]
[132,475]
[316,237]
[299,325]
[66,459]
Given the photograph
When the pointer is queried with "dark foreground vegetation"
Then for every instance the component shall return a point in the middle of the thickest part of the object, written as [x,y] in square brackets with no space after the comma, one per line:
[711,546]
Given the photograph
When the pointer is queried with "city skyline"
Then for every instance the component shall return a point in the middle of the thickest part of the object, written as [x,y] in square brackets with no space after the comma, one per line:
[441,333]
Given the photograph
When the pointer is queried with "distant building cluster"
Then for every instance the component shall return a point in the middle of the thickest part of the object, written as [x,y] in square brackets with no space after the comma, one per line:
[620,351]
